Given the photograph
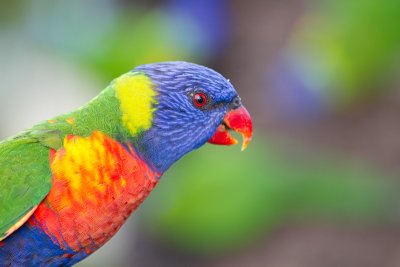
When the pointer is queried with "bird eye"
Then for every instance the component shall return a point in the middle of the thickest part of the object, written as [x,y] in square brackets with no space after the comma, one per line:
[200,100]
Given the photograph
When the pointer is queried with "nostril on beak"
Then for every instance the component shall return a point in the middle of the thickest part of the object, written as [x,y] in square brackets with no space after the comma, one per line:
[236,103]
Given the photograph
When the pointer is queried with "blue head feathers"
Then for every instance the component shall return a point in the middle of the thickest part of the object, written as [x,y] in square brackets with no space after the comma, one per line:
[192,101]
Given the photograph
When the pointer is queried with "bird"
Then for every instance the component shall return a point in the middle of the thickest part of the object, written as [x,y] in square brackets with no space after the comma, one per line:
[70,182]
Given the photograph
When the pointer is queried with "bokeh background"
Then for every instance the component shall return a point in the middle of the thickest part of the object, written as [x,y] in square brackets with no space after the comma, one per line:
[319,184]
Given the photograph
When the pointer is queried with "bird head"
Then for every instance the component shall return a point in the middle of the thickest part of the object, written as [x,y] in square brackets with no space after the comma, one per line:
[187,105]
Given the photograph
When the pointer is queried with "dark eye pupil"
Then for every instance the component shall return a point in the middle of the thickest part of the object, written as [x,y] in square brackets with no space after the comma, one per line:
[200,100]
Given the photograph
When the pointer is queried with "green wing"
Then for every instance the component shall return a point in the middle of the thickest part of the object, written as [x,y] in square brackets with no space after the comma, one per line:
[25,176]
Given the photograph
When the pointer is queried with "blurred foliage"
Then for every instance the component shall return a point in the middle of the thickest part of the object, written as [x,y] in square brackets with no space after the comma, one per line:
[216,198]
[9,11]
[132,41]
[348,50]
[111,39]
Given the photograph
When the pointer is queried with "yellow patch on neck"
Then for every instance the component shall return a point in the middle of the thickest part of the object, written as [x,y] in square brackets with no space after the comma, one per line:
[137,98]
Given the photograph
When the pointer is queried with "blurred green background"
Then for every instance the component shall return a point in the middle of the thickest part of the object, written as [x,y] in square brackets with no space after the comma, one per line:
[318,186]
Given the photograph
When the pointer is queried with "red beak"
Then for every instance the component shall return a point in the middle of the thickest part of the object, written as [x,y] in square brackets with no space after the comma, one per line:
[237,120]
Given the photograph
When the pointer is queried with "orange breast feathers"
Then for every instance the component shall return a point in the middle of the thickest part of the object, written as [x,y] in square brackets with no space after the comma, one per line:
[97,183]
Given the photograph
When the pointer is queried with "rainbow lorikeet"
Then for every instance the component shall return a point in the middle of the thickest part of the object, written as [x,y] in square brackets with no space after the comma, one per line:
[69,183]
